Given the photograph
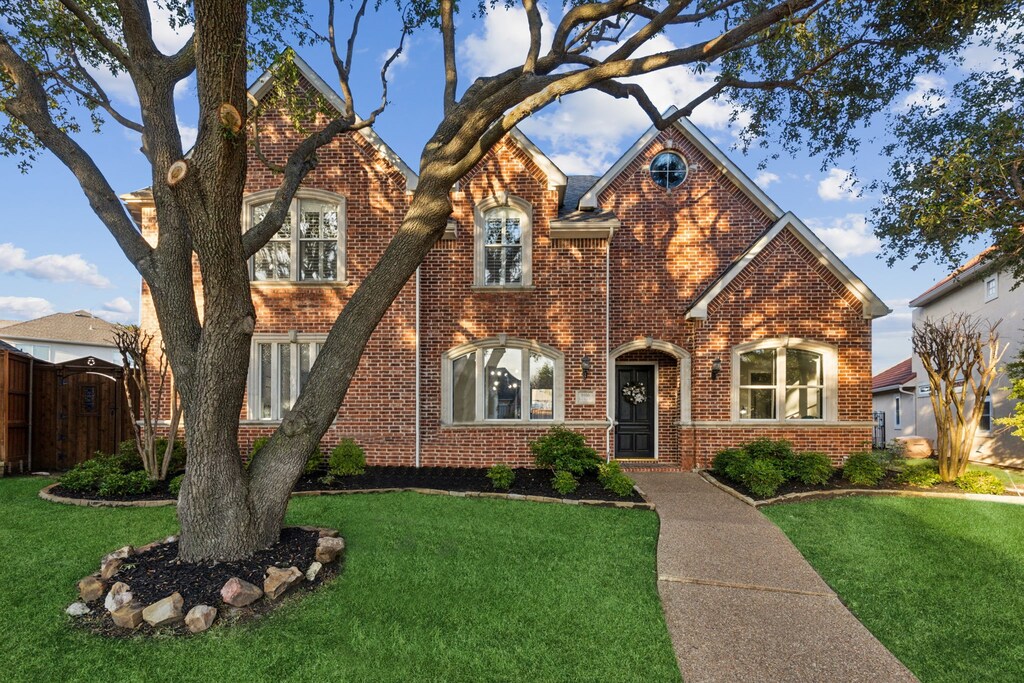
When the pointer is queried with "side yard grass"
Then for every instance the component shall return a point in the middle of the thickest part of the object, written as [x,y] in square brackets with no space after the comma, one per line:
[939,582]
[434,588]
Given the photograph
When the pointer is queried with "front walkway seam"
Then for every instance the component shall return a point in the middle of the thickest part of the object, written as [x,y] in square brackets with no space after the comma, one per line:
[743,586]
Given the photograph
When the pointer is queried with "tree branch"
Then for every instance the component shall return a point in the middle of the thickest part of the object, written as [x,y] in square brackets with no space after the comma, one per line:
[451,73]
[535,25]
[98,33]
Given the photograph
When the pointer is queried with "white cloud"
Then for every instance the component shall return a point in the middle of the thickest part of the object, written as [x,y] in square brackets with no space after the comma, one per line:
[928,90]
[118,310]
[401,59]
[846,236]
[838,185]
[26,307]
[188,134]
[51,267]
[766,178]
[504,42]
[168,40]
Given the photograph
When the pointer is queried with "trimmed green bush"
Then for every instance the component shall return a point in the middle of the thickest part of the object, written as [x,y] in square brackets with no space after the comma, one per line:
[564,482]
[974,481]
[764,477]
[87,476]
[781,452]
[347,459]
[724,458]
[737,465]
[501,476]
[126,484]
[863,469]
[315,461]
[564,450]
[812,468]
[174,486]
[258,445]
[613,479]
[922,473]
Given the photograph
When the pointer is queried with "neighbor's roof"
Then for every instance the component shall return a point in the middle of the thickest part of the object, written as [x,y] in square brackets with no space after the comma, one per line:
[4,346]
[963,275]
[80,327]
[8,323]
[894,377]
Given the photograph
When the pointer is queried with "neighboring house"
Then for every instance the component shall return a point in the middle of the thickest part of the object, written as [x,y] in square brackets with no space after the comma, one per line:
[666,309]
[974,289]
[893,395]
[63,336]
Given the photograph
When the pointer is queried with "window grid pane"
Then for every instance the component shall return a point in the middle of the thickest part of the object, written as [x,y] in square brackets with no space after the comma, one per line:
[542,387]
[285,373]
[503,253]
[308,253]
[464,388]
[757,385]
[266,381]
[503,369]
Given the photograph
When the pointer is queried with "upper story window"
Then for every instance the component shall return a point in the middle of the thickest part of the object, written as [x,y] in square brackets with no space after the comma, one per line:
[278,370]
[784,380]
[503,242]
[991,288]
[668,170]
[496,381]
[310,246]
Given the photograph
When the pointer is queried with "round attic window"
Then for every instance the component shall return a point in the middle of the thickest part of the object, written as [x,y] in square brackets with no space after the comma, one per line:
[668,170]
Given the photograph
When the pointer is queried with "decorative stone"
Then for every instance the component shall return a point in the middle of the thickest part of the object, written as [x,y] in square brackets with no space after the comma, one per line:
[200,617]
[163,612]
[128,616]
[328,549]
[119,554]
[239,593]
[78,609]
[90,588]
[313,571]
[278,581]
[328,533]
[109,566]
[915,446]
[171,539]
[119,596]
[149,546]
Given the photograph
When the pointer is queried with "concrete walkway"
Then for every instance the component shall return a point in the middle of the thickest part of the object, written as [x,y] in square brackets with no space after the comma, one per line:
[741,602]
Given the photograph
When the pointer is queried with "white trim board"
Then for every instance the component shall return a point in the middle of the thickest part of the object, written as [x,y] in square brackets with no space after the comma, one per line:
[874,307]
[730,170]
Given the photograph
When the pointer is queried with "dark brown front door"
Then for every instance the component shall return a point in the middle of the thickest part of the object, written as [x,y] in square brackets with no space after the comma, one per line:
[635,404]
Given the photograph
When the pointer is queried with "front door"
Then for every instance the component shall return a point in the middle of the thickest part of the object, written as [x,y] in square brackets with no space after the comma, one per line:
[635,404]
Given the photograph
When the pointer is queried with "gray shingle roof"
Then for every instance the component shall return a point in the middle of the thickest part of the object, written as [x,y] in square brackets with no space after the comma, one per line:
[575,187]
[81,327]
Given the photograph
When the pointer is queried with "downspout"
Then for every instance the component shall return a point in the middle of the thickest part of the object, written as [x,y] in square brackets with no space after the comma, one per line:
[417,390]
[607,347]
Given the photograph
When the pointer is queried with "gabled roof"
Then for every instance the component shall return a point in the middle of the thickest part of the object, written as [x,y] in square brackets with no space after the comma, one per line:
[80,327]
[264,83]
[894,377]
[963,275]
[556,179]
[730,170]
[874,307]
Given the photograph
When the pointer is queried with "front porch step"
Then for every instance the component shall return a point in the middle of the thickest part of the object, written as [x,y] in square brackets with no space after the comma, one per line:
[642,466]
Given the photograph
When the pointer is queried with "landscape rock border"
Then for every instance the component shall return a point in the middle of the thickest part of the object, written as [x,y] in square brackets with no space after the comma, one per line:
[45,494]
[842,493]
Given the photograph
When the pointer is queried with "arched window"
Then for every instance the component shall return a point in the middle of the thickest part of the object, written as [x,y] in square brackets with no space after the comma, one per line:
[309,247]
[503,242]
[784,380]
[501,381]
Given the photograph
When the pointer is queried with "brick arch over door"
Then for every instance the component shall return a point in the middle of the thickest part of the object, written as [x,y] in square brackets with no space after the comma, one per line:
[650,344]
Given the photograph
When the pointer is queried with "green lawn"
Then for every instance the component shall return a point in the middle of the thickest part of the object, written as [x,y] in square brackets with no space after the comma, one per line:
[940,582]
[434,588]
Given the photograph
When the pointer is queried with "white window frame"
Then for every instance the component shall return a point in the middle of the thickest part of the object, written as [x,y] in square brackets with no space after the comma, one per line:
[991,417]
[480,259]
[254,393]
[830,372]
[994,281]
[262,197]
[525,345]
[898,412]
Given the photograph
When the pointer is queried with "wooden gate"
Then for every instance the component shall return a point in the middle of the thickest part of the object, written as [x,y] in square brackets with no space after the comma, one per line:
[15,398]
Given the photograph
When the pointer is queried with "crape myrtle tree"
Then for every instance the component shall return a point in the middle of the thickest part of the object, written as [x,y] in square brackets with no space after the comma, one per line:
[806,71]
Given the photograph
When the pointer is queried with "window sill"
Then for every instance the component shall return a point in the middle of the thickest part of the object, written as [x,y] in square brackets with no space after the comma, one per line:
[300,284]
[498,289]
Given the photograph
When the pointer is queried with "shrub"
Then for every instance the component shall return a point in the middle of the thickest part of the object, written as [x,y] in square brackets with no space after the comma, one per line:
[764,477]
[258,445]
[975,481]
[347,459]
[863,469]
[923,473]
[501,476]
[178,453]
[314,462]
[723,459]
[174,486]
[564,482]
[613,479]
[737,465]
[86,476]
[812,468]
[126,484]
[781,452]
[564,450]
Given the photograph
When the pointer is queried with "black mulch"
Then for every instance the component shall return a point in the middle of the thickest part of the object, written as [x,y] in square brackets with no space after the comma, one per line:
[159,492]
[530,482]
[837,482]
[157,573]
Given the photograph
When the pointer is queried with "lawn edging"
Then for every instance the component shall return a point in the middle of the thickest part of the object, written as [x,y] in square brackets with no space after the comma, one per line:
[836,493]
[45,494]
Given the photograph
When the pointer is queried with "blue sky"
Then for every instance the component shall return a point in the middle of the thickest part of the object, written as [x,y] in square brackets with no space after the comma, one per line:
[55,255]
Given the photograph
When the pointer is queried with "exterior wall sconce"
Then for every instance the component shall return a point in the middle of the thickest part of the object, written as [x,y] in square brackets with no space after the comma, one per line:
[716,368]
[585,364]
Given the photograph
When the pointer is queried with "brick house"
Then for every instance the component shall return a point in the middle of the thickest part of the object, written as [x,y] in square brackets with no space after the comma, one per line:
[666,309]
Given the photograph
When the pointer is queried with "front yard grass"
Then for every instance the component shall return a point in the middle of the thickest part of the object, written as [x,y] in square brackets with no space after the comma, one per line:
[937,581]
[433,588]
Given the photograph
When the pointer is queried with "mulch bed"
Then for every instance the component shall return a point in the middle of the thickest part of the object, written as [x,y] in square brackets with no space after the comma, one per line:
[157,573]
[837,482]
[528,482]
